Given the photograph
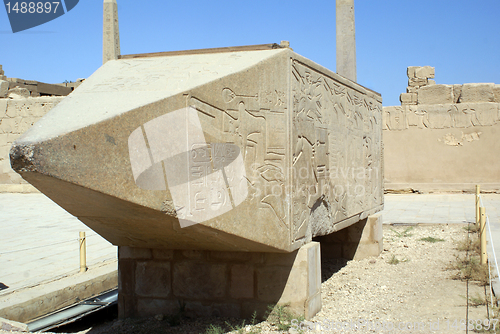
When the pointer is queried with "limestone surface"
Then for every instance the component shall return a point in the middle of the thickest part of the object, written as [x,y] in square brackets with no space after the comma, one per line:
[229,151]
[435,94]
[477,92]
[4,88]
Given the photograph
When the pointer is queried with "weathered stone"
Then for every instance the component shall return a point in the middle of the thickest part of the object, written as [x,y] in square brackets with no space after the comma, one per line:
[496,93]
[305,273]
[163,254]
[408,98]
[232,256]
[435,94]
[153,279]
[395,118]
[148,307]
[111,32]
[411,89]
[476,114]
[417,82]
[411,71]
[18,93]
[457,91]
[346,39]
[194,254]
[55,90]
[477,92]
[3,108]
[358,241]
[199,309]
[199,280]
[4,88]
[431,82]
[126,277]
[125,252]
[242,284]
[96,163]
[425,72]
[12,326]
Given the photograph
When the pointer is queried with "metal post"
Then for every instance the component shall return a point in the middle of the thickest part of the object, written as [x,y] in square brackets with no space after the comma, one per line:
[478,192]
[83,252]
[482,230]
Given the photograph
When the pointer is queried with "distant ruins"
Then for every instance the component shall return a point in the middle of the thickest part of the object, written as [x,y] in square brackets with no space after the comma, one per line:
[442,137]
[22,103]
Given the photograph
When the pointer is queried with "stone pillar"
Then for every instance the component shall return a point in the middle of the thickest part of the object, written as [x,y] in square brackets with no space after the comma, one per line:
[346,39]
[358,241]
[211,283]
[111,33]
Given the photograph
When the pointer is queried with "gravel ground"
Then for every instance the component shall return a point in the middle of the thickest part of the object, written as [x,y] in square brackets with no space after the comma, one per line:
[377,295]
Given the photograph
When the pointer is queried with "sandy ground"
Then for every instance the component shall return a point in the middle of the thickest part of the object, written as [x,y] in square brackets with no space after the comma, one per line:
[416,295]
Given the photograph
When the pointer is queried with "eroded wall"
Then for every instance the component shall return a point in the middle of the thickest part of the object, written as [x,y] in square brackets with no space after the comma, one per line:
[16,116]
[442,137]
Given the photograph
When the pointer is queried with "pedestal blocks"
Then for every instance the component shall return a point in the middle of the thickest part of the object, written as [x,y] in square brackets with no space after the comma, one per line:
[209,283]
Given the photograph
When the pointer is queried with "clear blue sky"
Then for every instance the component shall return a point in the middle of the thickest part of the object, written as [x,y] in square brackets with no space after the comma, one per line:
[461,39]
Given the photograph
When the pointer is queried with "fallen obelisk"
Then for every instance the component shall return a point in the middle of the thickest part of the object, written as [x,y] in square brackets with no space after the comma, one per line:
[213,170]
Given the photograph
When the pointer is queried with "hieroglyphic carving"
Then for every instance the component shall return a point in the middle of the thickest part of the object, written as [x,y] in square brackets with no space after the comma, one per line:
[441,116]
[205,180]
[256,123]
[336,148]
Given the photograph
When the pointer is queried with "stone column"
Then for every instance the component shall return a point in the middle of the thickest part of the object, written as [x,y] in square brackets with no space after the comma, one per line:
[111,33]
[346,39]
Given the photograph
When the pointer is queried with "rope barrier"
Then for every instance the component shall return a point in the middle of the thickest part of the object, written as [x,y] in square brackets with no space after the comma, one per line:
[38,247]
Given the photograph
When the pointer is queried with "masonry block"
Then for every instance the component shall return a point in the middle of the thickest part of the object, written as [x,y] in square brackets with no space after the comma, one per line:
[148,307]
[457,91]
[496,93]
[3,108]
[126,277]
[200,280]
[163,254]
[358,241]
[4,88]
[435,94]
[242,281]
[417,82]
[229,286]
[125,252]
[477,92]
[152,279]
[425,72]
[411,71]
[411,89]
[408,98]
[303,286]
[271,282]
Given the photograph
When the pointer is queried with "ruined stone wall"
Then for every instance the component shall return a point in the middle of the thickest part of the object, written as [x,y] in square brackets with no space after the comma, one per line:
[22,103]
[442,137]
[16,116]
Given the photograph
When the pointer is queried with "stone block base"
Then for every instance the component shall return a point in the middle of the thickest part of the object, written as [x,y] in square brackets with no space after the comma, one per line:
[210,283]
[358,241]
